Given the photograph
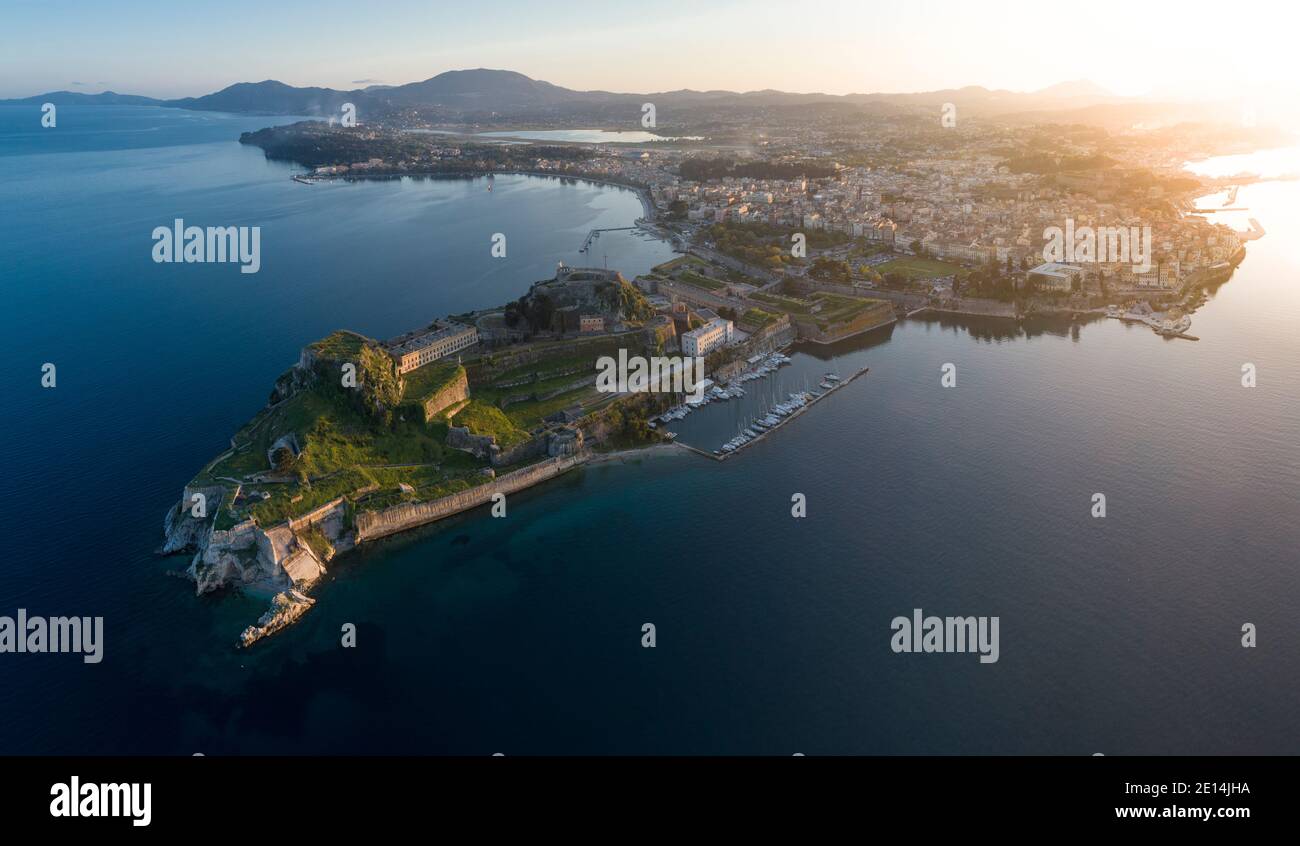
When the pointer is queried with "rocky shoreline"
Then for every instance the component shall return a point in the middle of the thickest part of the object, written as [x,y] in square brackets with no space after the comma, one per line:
[280,559]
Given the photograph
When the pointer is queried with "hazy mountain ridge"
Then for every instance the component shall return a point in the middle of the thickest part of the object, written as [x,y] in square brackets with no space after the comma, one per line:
[490,94]
[272,97]
[70,98]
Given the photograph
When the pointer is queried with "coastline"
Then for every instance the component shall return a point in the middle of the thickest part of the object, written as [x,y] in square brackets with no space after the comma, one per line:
[647,206]
[292,566]
[285,560]
[623,456]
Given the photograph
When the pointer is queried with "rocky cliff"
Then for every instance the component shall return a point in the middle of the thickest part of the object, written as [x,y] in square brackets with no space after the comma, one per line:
[285,610]
[282,558]
[245,555]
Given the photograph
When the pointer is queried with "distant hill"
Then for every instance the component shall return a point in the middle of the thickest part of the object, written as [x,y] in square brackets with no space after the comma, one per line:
[1075,88]
[482,88]
[271,97]
[977,100]
[74,98]
[484,91]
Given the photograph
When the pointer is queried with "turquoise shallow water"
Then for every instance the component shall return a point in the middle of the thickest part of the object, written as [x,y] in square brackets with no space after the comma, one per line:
[523,635]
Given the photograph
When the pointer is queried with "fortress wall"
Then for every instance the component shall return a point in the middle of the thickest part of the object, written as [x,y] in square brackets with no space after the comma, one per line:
[447,396]
[880,315]
[316,515]
[585,381]
[507,359]
[531,448]
[377,524]
[480,446]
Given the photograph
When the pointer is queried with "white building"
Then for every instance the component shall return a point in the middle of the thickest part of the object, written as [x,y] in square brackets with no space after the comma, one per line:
[709,337]
[441,339]
[1056,276]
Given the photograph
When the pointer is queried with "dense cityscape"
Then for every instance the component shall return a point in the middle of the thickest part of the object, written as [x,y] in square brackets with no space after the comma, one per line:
[948,218]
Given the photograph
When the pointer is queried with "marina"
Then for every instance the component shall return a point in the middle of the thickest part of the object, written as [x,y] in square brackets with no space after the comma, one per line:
[782,413]
[714,393]
[773,415]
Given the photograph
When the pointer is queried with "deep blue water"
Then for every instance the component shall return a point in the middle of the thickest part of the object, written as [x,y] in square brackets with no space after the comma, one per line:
[522,635]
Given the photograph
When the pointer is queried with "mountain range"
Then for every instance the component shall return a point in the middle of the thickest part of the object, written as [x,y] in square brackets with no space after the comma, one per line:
[484,92]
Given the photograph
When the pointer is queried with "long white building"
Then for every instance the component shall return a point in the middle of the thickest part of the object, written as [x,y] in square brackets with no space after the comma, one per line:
[441,339]
[712,335]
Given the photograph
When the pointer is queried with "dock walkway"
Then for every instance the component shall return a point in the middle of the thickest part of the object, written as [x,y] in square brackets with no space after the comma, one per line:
[591,236]
[784,421]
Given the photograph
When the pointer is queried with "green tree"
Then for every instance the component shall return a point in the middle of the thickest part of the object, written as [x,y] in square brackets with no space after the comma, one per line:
[282,460]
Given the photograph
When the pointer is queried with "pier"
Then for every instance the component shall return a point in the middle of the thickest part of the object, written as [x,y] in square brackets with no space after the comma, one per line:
[699,451]
[724,456]
[1155,325]
[1254,232]
[595,233]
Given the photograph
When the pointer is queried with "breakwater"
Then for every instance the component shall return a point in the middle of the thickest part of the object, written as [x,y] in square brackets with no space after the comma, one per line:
[761,435]
[377,524]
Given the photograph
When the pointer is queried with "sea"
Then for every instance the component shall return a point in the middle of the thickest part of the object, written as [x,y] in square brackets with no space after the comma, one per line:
[1120,635]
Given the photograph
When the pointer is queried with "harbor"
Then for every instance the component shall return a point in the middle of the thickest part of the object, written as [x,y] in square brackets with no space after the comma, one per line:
[595,233]
[772,413]
[760,365]
[783,413]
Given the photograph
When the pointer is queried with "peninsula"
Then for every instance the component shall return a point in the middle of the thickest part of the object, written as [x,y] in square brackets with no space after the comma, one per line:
[364,438]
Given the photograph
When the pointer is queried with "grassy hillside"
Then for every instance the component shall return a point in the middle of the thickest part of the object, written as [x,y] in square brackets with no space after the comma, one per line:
[354,441]
[423,382]
[483,419]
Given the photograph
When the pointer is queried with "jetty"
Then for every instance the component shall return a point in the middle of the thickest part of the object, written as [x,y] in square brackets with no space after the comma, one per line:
[784,420]
[1255,231]
[1163,328]
[595,233]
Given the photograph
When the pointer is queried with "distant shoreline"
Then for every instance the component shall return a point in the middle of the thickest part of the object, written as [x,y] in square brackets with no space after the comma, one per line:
[647,207]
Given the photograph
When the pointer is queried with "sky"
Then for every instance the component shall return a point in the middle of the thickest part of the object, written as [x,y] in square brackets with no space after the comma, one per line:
[185,48]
